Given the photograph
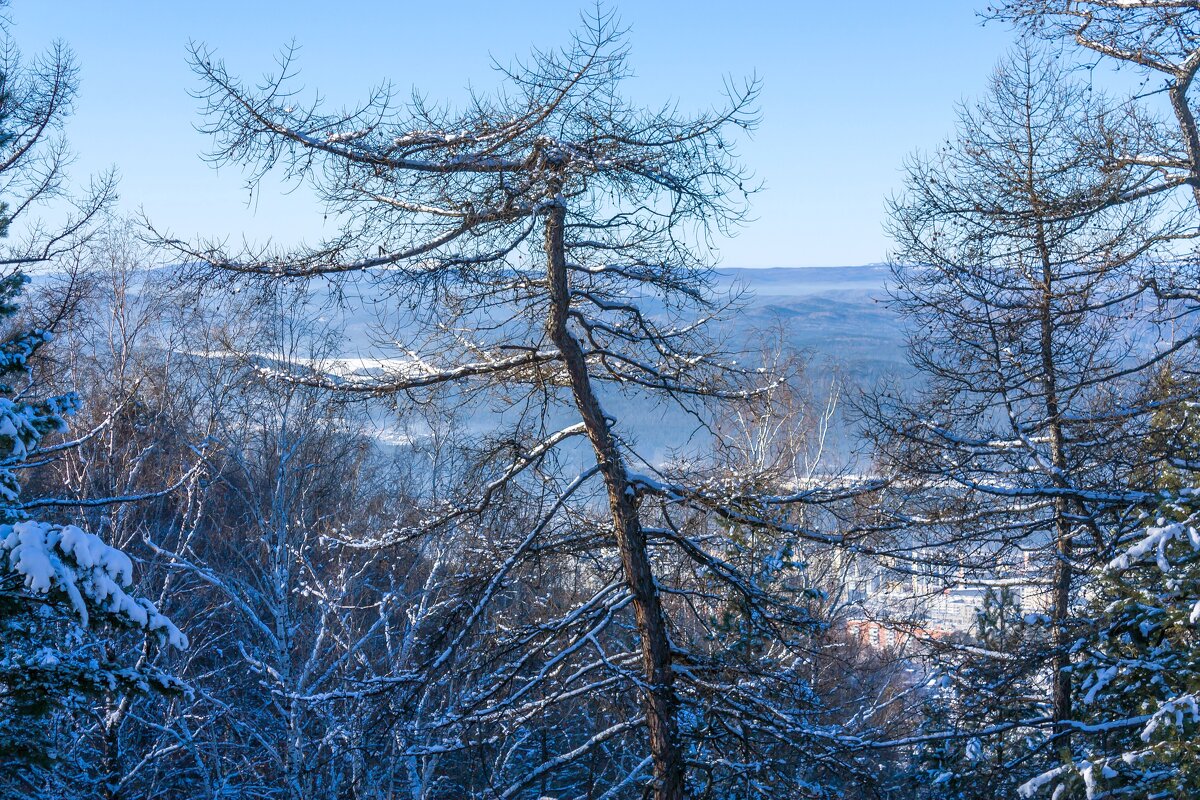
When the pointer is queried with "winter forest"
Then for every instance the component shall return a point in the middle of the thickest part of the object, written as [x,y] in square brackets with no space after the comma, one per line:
[374,516]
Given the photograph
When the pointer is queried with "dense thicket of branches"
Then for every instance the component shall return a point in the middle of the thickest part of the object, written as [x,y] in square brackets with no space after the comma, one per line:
[530,610]
[390,487]
[547,245]
[258,508]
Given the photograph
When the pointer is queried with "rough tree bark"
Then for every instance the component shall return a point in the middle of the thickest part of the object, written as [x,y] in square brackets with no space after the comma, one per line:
[660,700]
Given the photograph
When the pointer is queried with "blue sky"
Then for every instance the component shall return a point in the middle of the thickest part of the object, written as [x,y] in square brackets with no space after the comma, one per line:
[849,90]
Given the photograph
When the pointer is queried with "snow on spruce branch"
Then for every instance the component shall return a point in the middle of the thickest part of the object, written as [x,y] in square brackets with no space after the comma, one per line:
[49,560]
[1145,681]
[67,560]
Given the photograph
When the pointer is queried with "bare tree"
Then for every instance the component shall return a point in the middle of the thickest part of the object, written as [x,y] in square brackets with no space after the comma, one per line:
[36,98]
[1156,36]
[1022,459]
[77,578]
[547,248]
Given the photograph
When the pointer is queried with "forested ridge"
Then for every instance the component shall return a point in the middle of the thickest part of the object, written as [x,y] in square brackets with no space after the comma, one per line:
[375,516]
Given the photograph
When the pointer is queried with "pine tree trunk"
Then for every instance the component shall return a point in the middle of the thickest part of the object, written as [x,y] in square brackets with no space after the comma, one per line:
[660,700]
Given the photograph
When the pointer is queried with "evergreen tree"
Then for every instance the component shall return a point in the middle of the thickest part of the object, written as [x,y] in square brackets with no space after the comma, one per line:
[990,695]
[1138,680]
[58,584]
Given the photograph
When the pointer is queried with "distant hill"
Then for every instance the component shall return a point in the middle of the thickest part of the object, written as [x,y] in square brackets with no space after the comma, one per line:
[835,315]
[838,315]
